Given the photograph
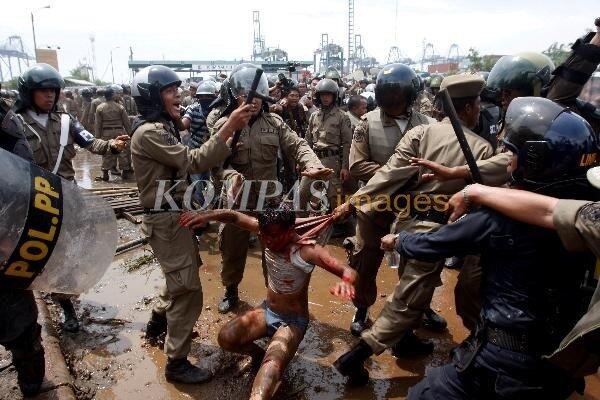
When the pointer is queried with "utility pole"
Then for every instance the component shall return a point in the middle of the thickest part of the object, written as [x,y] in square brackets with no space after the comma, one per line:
[112,70]
[33,30]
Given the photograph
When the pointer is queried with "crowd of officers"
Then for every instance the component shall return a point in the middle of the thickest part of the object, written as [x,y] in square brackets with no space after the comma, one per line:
[355,148]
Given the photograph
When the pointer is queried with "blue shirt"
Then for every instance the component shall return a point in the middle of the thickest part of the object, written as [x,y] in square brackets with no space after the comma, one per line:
[198,129]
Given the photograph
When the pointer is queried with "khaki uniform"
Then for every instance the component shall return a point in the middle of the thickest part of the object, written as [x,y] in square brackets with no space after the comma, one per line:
[374,141]
[578,225]
[45,143]
[213,116]
[70,106]
[85,114]
[129,104]
[111,121]
[418,280]
[256,159]
[158,155]
[329,134]
[92,115]
[424,104]
[354,120]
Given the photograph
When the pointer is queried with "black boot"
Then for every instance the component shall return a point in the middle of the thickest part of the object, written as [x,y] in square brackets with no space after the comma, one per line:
[181,370]
[126,174]
[434,321]
[360,322]
[412,346]
[156,328]
[230,300]
[351,363]
[115,171]
[104,176]
[28,360]
[71,324]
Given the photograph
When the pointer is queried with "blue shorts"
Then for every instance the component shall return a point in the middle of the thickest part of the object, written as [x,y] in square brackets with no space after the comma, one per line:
[276,321]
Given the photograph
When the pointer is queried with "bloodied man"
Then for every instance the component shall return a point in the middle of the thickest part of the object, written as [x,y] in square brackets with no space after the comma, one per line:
[283,316]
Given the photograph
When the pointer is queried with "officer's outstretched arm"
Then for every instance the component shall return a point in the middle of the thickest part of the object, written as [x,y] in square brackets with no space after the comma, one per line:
[468,235]
[528,207]
[196,219]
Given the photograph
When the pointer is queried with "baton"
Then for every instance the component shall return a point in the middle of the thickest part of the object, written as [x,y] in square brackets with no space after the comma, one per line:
[460,135]
[251,95]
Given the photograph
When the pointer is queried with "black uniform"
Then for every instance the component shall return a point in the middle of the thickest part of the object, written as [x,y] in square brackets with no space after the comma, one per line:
[531,300]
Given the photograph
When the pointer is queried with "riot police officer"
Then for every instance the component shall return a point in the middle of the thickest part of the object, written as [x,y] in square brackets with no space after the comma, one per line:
[329,134]
[52,136]
[111,121]
[374,141]
[86,102]
[418,280]
[160,159]
[96,101]
[128,101]
[335,76]
[19,331]
[531,301]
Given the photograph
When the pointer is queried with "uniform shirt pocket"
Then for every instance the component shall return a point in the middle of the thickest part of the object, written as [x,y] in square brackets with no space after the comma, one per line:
[242,154]
[269,145]
[333,136]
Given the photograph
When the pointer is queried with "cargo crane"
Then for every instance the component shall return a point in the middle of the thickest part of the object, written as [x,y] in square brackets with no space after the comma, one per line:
[329,55]
[10,49]
[259,51]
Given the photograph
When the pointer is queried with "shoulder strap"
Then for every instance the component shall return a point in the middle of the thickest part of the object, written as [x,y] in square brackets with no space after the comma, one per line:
[65,122]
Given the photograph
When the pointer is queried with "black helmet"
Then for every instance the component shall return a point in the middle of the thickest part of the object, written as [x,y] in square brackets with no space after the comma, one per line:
[86,92]
[396,83]
[553,144]
[126,88]
[146,87]
[38,76]
[241,78]
[111,90]
[326,85]
[527,72]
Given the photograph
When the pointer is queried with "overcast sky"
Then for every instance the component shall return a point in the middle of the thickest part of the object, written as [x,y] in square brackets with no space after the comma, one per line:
[205,30]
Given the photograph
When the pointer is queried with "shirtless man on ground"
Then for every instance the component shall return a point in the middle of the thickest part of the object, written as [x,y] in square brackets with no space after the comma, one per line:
[283,316]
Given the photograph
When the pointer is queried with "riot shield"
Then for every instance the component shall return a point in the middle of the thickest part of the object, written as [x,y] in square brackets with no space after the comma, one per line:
[54,237]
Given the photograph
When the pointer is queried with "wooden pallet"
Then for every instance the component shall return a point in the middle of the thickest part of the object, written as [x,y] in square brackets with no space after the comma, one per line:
[125,202]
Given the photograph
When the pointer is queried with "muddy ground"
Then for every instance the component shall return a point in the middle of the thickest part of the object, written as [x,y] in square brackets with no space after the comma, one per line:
[109,358]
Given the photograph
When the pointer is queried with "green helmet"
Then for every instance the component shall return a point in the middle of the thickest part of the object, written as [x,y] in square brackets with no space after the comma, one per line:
[435,81]
[527,72]
[332,73]
[38,76]
[326,86]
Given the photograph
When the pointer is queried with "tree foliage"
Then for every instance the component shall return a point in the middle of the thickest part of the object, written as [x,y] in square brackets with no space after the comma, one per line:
[81,71]
[558,53]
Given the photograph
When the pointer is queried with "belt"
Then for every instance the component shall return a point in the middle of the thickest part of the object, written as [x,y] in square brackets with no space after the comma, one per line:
[438,217]
[164,208]
[509,340]
[327,153]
